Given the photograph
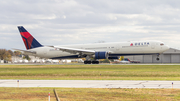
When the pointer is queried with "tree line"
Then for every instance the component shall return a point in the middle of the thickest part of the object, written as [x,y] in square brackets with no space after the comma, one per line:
[7,54]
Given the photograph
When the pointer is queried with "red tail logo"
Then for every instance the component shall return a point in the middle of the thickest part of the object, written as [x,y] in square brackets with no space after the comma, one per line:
[29,41]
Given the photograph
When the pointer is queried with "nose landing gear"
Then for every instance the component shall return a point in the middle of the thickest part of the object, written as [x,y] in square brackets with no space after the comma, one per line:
[157,57]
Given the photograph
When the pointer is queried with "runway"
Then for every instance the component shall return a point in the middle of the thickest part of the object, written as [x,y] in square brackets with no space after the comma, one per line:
[90,83]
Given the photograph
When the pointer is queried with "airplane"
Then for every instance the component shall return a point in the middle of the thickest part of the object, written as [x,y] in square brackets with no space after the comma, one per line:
[91,51]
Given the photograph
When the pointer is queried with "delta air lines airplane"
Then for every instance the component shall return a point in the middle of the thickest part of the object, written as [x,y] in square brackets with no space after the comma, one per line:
[96,50]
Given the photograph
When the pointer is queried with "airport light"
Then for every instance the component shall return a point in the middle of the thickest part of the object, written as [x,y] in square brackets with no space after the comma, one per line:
[49,96]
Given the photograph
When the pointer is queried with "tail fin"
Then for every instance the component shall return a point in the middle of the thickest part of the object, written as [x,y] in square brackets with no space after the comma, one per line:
[29,41]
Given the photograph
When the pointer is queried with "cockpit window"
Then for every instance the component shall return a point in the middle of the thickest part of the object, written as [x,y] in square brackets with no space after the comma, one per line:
[161,44]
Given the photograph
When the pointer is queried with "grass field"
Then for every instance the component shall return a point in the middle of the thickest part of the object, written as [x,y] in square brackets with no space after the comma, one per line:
[90,94]
[91,72]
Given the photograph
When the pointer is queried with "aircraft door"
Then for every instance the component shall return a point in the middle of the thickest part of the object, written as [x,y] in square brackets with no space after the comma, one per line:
[45,51]
[153,46]
[117,47]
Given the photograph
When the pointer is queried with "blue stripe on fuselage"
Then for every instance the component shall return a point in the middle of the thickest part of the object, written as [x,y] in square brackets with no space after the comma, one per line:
[110,55]
[133,54]
[65,57]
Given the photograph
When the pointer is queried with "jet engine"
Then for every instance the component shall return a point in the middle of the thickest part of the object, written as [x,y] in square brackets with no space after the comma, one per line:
[101,55]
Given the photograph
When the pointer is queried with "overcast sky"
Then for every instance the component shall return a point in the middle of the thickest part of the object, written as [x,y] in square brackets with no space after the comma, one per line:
[62,22]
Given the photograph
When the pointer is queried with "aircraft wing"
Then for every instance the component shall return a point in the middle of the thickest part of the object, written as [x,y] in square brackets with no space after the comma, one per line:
[75,50]
[26,51]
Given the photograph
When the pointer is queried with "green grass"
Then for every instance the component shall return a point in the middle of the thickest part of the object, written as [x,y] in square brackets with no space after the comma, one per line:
[89,94]
[26,94]
[91,72]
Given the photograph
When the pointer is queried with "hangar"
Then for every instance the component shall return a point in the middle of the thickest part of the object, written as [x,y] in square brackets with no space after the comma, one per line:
[170,56]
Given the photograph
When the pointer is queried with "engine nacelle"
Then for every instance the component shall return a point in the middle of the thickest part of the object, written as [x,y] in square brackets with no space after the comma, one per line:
[101,55]
[115,57]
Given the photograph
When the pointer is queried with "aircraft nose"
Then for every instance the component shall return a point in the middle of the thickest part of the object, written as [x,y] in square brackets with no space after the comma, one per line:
[166,47]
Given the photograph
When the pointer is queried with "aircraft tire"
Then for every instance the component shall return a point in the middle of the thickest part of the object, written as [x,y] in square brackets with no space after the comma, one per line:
[85,62]
[95,62]
[157,59]
[89,62]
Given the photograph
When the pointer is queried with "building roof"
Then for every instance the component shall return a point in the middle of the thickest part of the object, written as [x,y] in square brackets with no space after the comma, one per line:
[172,51]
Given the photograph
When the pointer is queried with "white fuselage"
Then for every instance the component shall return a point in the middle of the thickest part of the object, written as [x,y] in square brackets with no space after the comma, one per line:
[114,49]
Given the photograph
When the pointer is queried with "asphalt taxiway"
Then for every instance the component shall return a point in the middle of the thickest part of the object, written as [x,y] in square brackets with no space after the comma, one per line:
[90,83]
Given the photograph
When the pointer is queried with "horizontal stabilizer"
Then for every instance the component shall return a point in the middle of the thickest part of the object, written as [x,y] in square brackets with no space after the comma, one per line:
[26,51]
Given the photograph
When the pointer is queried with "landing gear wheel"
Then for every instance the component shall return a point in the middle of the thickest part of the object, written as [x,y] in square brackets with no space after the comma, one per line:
[157,59]
[87,62]
[95,62]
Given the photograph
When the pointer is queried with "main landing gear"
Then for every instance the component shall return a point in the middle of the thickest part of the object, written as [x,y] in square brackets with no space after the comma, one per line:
[89,62]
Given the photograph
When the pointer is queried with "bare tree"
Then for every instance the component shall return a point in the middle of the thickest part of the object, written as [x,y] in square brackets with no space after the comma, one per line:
[5,54]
